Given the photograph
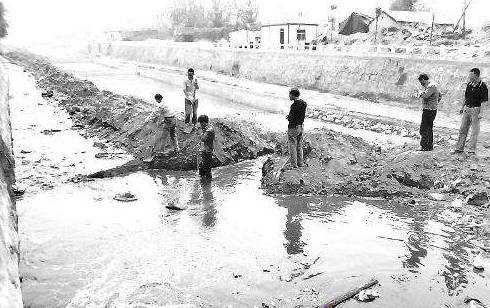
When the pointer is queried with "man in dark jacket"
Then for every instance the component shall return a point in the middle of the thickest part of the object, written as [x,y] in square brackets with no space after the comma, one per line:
[296,118]
[475,96]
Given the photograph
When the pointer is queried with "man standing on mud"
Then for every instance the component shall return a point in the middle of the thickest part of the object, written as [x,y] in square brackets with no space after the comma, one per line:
[206,148]
[296,118]
[191,102]
[169,124]
[472,111]
[430,97]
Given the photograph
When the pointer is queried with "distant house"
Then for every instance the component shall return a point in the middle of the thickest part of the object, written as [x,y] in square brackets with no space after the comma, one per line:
[244,38]
[289,33]
[113,35]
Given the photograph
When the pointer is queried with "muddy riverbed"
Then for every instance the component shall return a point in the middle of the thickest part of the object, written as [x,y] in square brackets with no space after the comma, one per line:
[234,245]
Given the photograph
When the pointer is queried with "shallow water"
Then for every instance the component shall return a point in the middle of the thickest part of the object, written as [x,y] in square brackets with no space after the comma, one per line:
[234,245]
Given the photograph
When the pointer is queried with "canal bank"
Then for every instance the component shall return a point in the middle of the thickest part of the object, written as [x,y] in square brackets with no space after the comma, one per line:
[10,294]
[368,77]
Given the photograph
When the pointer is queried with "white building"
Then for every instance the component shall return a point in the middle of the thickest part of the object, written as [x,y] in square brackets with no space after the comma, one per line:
[245,39]
[288,34]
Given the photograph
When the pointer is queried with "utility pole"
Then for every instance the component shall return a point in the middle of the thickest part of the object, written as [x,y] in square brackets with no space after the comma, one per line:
[464,20]
[378,12]
[432,27]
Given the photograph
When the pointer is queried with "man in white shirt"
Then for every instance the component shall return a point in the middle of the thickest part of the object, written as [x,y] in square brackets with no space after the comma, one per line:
[191,102]
[168,127]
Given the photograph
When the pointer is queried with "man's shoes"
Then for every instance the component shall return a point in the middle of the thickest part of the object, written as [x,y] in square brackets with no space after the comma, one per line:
[456,152]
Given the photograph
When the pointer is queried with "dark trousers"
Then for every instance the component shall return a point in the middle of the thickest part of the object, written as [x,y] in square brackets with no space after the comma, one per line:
[426,129]
[205,164]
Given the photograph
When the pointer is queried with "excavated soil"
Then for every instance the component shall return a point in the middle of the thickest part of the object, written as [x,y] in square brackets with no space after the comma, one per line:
[340,164]
[120,120]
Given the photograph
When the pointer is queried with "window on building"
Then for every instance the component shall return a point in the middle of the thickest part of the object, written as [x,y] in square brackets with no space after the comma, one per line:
[301,35]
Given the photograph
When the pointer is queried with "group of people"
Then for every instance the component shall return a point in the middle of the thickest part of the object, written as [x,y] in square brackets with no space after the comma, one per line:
[169,125]
[475,94]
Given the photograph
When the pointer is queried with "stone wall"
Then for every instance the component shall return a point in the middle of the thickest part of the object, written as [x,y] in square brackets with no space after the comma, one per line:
[374,78]
[10,293]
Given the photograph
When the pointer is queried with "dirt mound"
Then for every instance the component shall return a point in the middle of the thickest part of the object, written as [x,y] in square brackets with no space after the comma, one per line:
[339,164]
[121,119]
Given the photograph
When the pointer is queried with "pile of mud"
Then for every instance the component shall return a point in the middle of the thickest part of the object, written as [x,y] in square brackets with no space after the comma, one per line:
[339,164]
[121,120]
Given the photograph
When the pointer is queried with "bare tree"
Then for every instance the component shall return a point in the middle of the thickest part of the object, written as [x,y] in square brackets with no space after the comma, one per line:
[3,22]
[247,14]
[219,14]
[187,13]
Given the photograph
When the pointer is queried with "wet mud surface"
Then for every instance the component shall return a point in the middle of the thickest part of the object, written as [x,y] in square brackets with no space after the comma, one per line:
[236,243]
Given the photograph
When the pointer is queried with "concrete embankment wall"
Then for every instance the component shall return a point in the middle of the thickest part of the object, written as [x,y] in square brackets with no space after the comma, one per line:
[10,293]
[368,77]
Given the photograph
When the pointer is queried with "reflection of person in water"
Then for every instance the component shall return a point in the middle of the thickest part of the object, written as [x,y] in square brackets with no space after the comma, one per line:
[202,187]
[416,244]
[293,232]
[209,217]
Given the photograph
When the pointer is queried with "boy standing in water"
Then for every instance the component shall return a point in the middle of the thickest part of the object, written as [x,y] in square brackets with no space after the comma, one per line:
[206,147]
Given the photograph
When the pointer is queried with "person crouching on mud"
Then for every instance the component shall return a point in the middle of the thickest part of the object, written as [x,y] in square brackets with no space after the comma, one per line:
[296,118]
[169,124]
[206,148]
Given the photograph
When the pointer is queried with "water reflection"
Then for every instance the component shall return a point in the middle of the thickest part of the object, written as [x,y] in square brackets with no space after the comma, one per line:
[294,230]
[416,243]
[203,187]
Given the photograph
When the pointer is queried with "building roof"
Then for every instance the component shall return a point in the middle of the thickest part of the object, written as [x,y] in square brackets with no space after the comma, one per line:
[419,17]
[289,23]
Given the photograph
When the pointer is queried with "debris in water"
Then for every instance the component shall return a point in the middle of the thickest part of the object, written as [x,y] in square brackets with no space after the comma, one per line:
[125,197]
[350,294]
[367,295]
[473,302]
[50,131]
[18,191]
[312,275]
[172,206]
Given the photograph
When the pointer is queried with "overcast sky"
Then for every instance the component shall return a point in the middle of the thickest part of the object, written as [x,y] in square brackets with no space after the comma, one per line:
[38,20]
